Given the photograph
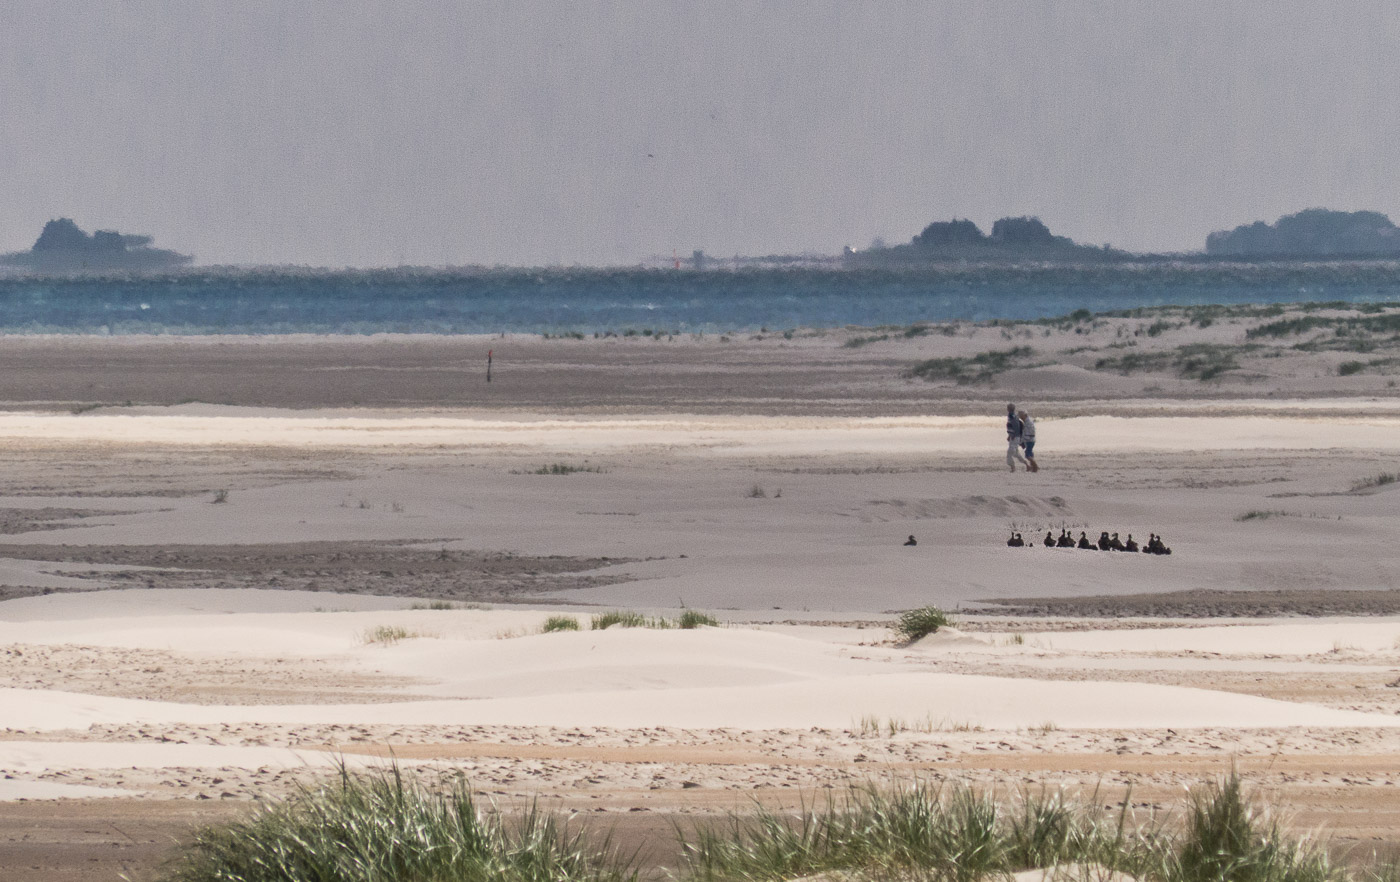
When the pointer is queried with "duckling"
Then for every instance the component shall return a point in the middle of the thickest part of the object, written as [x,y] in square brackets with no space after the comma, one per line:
[1084,542]
[1104,543]
[1130,545]
[912,541]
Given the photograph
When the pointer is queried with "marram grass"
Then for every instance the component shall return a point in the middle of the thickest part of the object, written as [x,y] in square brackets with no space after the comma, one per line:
[382,827]
[626,618]
[956,834]
[386,828]
[921,622]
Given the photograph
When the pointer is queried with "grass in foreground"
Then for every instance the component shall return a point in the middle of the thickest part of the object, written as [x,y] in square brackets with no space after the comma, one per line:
[383,828]
[961,835]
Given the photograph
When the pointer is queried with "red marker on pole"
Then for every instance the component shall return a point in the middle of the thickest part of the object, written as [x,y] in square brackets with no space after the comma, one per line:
[488,364]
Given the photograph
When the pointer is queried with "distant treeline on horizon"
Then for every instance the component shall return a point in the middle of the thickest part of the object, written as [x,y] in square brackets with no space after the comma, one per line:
[1312,234]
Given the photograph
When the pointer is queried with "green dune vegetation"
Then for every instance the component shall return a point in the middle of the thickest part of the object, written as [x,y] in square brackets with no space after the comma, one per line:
[388,827]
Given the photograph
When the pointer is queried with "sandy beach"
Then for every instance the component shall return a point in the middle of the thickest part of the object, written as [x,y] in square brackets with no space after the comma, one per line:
[229,565]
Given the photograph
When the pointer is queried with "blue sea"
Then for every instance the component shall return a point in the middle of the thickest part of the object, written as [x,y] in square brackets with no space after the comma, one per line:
[589,301]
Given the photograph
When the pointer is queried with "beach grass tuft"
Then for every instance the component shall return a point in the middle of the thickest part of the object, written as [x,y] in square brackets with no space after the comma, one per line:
[1380,480]
[694,618]
[1260,514]
[980,367]
[960,834]
[921,622]
[625,618]
[559,623]
[386,635]
[564,468]
[384,826]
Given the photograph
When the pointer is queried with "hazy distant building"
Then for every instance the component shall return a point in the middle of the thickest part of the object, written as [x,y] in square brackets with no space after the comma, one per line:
[1316,232]
[63,247]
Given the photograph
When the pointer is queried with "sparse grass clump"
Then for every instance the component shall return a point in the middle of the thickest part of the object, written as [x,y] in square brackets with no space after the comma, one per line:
[857,342]
[1206,361]
[957,834]
[1260,515]
[1194,361]
[624,618]
[982,366]
[693,618]
[435,604]
[1380,480]
[689,619]
[386,635]
[383,827]
[1227,837]
[563,468]
[921,622]
[559,623]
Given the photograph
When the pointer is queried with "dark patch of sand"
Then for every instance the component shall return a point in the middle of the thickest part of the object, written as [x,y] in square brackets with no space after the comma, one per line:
[389,569]
[1205,604]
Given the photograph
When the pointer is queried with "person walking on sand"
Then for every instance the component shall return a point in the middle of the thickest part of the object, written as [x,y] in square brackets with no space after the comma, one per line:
[1028,440]
[1013,439]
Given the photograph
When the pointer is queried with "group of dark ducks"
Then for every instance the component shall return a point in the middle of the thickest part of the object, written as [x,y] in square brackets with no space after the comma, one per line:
[1154,545]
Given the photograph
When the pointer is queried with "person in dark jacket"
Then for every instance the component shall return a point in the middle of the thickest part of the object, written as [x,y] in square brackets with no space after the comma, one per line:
[1013,439]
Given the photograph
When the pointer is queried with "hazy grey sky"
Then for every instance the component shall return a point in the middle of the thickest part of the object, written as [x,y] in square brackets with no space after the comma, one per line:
[373,132]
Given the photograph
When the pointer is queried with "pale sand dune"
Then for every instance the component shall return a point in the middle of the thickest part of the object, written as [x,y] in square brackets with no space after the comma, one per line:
[716,436]
[37,756]
[130,603]
[16,790]
[708,678]
[938,700]
[1286,638]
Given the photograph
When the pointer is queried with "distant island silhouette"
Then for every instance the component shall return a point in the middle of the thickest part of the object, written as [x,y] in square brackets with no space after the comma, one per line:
[1312,233]
[1013,239]
[64,247]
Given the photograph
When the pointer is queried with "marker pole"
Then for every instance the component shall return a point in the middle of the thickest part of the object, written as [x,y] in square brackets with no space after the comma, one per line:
[488,364]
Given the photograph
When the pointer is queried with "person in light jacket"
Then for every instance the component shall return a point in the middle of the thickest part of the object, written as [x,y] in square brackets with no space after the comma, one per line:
[1028,441]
